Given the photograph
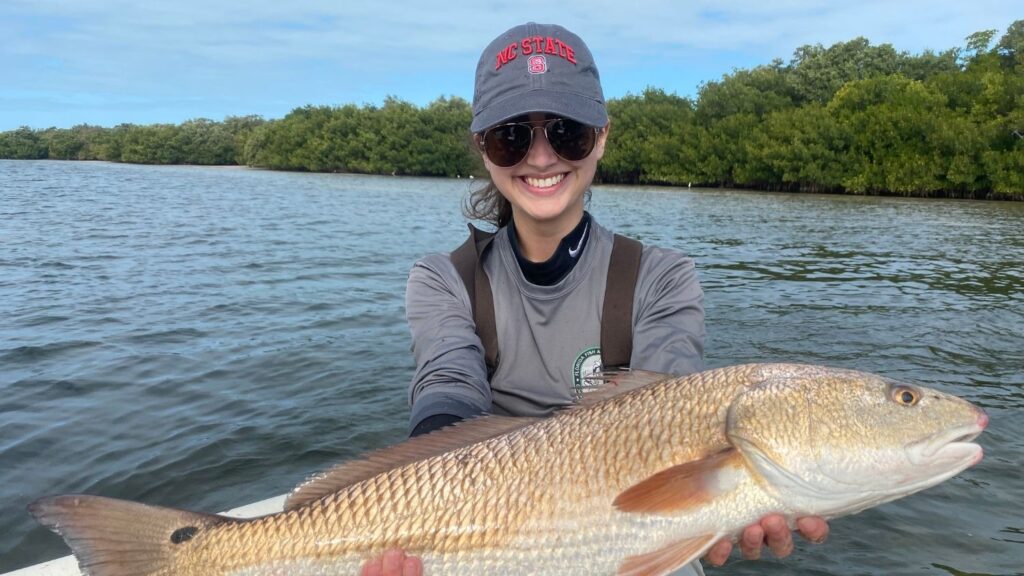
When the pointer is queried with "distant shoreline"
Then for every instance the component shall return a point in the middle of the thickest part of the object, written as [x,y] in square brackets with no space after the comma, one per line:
[695,187]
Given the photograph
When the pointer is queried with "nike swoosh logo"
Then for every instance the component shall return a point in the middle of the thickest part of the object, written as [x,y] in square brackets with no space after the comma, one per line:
[574,252]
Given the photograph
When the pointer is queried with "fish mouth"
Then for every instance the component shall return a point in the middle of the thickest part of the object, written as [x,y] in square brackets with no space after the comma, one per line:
[954,445]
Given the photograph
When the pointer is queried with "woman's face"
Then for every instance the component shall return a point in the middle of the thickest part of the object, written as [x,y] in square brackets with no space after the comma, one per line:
[546,191]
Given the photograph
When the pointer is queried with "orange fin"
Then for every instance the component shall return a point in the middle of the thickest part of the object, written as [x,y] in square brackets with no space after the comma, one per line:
[683,486]
[667,559]
[612,383]
[412,450]
[119,538]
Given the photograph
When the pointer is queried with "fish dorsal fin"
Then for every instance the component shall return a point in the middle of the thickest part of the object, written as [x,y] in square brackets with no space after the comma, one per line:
[612,383]
[666,559]
[413,450]
[683,486]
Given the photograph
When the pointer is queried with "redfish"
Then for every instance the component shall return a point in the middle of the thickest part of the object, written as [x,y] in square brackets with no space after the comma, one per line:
[642,478]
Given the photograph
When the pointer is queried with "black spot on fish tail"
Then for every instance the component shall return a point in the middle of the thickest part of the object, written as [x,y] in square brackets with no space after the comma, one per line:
[183,534]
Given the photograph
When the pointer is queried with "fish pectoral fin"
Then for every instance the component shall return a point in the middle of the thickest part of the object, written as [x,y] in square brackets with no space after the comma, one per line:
[413,450]
[668,558]
[683,486]
[120,538]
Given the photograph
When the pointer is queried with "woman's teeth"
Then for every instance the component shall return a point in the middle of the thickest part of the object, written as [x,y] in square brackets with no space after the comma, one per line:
[544,182]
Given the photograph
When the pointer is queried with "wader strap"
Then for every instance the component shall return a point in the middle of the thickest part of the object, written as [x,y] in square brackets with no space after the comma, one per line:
[468,262]
[617,315]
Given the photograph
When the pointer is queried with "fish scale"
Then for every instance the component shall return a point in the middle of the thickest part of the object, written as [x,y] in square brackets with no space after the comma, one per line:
[640,482]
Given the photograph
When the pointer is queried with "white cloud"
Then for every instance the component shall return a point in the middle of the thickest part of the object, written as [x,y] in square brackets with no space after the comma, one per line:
[307,49]
[263,30]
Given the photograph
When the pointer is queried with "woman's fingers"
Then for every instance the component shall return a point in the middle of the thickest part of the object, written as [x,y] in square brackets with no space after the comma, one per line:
[772,531]
[393,563]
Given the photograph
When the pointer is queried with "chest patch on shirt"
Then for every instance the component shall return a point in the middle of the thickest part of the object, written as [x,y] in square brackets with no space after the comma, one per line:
[588,363]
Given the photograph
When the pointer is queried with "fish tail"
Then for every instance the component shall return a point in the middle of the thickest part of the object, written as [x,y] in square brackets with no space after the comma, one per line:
[119,538]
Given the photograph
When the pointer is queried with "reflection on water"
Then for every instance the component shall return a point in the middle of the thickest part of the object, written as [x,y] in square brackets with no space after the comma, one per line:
[204,338]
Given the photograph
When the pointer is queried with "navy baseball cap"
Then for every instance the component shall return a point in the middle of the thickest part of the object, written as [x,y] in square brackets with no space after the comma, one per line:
[537,68]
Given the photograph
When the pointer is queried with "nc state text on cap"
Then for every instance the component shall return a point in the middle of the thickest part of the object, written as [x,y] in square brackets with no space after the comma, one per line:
[535,44]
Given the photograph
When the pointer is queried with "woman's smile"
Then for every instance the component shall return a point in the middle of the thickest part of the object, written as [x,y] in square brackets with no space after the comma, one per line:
[543,185]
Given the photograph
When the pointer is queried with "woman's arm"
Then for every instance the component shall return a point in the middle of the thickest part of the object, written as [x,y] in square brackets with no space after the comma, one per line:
[668,314]
[451,376]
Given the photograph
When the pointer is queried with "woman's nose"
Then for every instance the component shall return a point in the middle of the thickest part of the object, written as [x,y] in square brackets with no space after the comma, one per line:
[541,154]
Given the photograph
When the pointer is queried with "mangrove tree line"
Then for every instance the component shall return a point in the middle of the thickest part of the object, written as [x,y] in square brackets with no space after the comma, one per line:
[851,117]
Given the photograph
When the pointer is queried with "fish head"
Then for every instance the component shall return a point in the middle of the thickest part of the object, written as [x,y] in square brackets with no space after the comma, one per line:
[829,442]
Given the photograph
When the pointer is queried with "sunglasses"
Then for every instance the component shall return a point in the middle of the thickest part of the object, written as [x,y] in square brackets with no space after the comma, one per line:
[508,144]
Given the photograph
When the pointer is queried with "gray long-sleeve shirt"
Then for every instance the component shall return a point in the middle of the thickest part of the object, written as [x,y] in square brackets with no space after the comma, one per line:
[548,336]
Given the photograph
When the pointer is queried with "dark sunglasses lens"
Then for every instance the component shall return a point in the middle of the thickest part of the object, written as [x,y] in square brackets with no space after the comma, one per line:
[507,145]
[571,140]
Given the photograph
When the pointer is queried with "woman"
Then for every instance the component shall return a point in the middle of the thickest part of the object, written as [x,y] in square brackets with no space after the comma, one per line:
[540,122]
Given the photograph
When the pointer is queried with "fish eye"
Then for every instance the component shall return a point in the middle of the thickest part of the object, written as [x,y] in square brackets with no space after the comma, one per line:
[905,396]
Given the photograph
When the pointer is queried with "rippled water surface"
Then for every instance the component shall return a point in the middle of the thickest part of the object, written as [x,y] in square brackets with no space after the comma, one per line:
[207,337]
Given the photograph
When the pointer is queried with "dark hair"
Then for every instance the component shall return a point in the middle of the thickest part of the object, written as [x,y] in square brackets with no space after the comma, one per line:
[486,203]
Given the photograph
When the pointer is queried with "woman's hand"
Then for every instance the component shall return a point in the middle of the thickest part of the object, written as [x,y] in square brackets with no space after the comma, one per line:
[394,563]
[771,530]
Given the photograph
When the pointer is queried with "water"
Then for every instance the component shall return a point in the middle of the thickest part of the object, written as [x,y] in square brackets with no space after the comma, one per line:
[207,337]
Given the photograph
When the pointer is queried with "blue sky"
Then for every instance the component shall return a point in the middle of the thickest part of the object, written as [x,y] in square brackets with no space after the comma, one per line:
[106,62]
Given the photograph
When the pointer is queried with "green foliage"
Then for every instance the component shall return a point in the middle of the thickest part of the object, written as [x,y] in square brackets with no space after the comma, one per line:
[890,120]
[760,91]
[652,139]
[852,118]
[1006,169]
[63,144]
[198,141]
[978,43]
[396,138]
[240,128]
[818,73]
[1011,45]
[723,152]
[800,149]
[22,144]
[929,64]
[206,142]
